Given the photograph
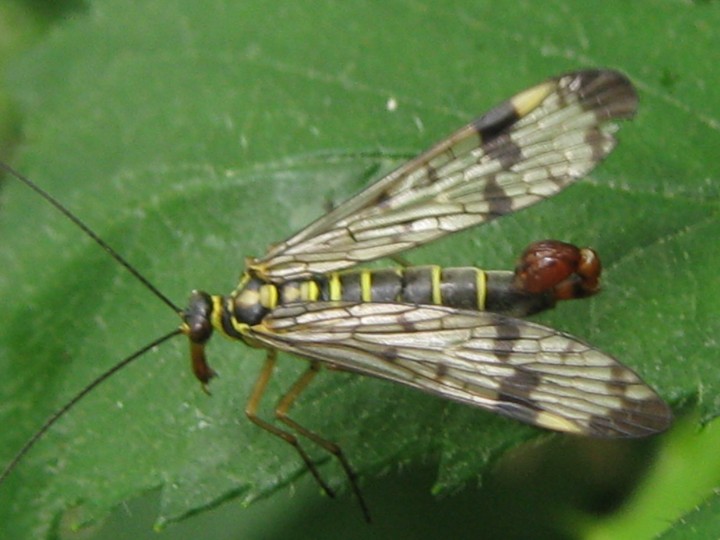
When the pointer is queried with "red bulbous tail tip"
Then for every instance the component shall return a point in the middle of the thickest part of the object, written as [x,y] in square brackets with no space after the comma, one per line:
[565,270]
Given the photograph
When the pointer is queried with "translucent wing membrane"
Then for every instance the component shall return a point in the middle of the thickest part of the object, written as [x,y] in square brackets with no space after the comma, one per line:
[521,152]
[509,366]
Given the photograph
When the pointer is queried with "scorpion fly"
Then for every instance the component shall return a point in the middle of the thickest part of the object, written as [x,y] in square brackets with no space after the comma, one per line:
[457,333]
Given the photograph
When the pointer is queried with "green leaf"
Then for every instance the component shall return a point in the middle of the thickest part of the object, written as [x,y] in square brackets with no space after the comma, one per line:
[701,522]
[681,487]
[190,135]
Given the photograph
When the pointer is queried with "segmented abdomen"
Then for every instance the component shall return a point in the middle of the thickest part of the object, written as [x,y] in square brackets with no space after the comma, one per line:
[462,287]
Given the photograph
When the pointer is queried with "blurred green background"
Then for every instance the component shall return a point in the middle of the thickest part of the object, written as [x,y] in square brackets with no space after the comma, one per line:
[193,134]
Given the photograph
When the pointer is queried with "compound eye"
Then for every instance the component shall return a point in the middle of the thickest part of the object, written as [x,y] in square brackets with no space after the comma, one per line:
[200,330]
[197,317]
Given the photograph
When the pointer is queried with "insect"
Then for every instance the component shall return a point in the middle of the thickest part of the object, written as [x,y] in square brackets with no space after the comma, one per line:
[453,332]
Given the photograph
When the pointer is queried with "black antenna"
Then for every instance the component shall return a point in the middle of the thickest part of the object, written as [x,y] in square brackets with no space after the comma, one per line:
[70,404]
[112,370]
[72,217]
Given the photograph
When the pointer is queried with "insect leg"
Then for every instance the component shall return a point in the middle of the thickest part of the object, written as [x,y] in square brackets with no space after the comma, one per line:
[401,261]
[281,412]
[251,412]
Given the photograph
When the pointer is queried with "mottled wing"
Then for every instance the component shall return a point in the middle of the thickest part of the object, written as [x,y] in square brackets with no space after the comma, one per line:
[519,153]
[512,367]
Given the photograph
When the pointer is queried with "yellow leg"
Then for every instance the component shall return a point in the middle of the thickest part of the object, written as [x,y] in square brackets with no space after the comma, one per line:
[400,261]
[281,412]
[251,412]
